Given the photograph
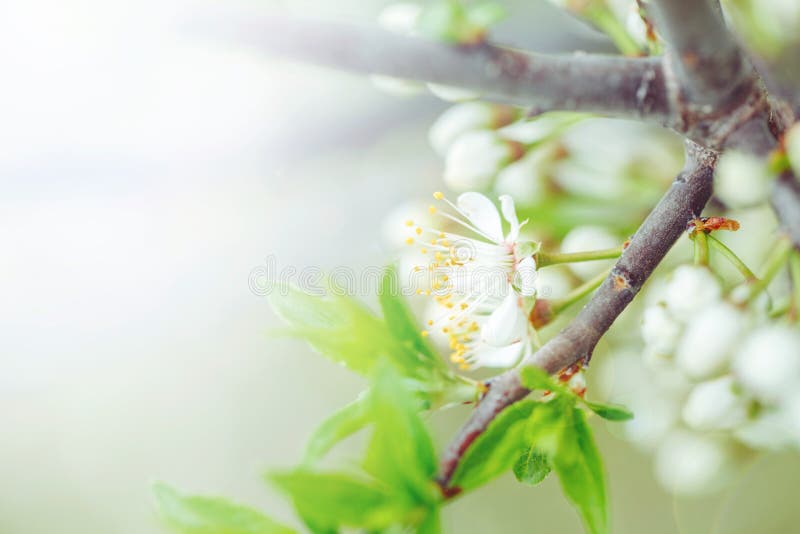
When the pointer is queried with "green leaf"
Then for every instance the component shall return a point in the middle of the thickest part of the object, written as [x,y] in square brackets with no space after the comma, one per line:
[610,412]
[400,320]
[532,467]
[497,449]
[209,515]
[580,470]
[343,423]
[328,501]
[345,331]
[537,378]
[400,452]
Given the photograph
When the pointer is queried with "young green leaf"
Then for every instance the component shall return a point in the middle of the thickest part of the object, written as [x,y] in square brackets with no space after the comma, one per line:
[580,470]
[345,331]
[497,449]
[400,453]
[209,515]
[536,378]
[329,501]
[610,412]
[343,423]
[532,467]
[400,319]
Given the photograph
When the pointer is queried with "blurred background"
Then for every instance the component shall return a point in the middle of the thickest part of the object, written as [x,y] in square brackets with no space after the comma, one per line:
[144,172]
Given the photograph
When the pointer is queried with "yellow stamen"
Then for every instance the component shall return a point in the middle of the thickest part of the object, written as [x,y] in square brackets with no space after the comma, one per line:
[410,241]
[431,209]
[438,195]
[409,223]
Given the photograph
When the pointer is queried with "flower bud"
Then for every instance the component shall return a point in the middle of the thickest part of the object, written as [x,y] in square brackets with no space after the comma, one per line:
[690,289]
[526,180]
[792,143]
[475,157]
[586,238]
[466,117]
[709,340]
[714,405]
[770,430]
[452,94]
[768,362]
[400,18]
[660,330]
[741,180]
[687,463]
[396,86]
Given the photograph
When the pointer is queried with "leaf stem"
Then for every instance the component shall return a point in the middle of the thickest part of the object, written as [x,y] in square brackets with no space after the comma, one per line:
[700,248]
[559,305]
[731,256]
[543,259]
[775,261]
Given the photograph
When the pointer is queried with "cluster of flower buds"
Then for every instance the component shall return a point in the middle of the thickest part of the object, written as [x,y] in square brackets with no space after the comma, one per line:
[719,379]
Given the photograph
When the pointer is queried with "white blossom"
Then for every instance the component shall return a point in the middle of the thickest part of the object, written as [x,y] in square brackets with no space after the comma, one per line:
[741,180]
[452,94]
[687,463]
[400,17]
[706,347]
[770,430]
[526,179]
[475,157]
[660,330]
[463,118]
[478,283]
[690,290]
[714,405]
[768,362]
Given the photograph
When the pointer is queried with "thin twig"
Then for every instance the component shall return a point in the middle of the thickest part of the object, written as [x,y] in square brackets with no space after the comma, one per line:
[666,223]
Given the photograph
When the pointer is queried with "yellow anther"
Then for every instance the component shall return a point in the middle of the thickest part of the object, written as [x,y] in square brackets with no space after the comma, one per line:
[428,292]
[424,250]
[433,242]
[424,333]
[409,222]
[410,241]
[431,209]
[445,330]
[430,322]
[445,278]
[441,235]
[438,195]
[418,230]
[464,305]
[419,292]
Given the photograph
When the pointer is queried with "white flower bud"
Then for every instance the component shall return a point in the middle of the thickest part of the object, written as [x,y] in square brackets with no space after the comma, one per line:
[690,290]
[768,362]
[709,340]
[792,142]
[526,180]
[654,417]
[586,238]
[553,282]
[400,18]
[770,430]
[741,180]
[692,464]
[474,159]
[714,405]
[396,86]
[463,118]
[660,330]
[452,94]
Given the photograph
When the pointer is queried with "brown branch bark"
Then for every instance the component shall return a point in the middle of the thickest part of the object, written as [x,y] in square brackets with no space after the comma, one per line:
[613,85]
[666,223]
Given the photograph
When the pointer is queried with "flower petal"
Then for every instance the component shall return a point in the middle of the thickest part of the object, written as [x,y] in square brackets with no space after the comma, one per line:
[506,324]
[510,214]
[498,357]
[482,214]
[525,277]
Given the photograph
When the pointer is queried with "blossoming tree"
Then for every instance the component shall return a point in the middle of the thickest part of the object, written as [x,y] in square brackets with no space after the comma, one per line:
[720,342]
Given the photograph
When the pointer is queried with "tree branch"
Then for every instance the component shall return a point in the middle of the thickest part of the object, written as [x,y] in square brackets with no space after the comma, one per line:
[618,86]
[786,203]
[708,60]
[666,223]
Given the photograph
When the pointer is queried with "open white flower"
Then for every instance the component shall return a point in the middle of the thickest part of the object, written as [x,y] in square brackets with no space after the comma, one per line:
[478,282]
